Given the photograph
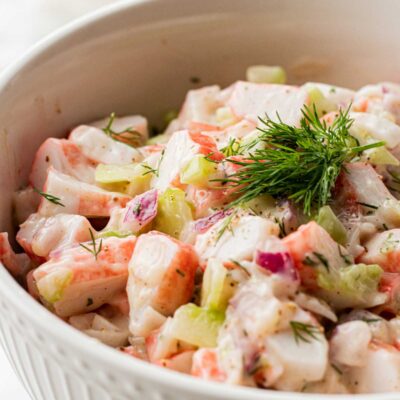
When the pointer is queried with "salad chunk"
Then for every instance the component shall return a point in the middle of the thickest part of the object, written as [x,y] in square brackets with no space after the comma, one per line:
[254,241]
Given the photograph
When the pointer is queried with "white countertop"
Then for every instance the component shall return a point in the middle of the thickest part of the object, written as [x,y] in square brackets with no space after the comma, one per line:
[23,22]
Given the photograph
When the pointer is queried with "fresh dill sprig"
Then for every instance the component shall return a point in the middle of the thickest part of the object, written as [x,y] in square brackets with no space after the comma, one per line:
[345,257]
[95,250]
[310,262]
[394,175]
[226,225]
[371,320]
[49,197]
[299,163]
[320,259]
[208,158]
[367,205]
[240,266]
[151,170]
[233,148]
[128,135]
[337,369]
[282,230]
[304,332]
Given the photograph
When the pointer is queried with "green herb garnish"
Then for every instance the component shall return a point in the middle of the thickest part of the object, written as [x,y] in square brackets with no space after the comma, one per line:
[310,262]
[395,177]
[239,265]
[149,169]
[226,225]
[128,135]
[299,163]
[137,208]
[282,230]
[337,369]
[95,250]
[371,320]
[50,197]
[345,257]
[304,332]
[367,205]
[180,272]
[320,259]
[208,158]
[233,148]
[154,171]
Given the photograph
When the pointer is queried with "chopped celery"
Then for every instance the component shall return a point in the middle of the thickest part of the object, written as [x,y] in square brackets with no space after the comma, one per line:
[316,97]
[197,326]
[198,171]
[115,173]
[389,212]
[380,156]
[266,74]
[360,278]
[52,286]
[162,138]
[260,204]
[218,286]
[119,187]
[328,220]
[138,185]
[106,234]
[352,286]
[140,181]
[173,213]
[225,116]
[132,179]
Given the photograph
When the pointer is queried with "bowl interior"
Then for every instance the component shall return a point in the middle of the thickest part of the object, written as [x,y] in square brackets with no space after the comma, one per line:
[143,59]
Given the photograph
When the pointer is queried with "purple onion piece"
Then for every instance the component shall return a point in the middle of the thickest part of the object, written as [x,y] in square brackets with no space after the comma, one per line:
[277,263]
[141,210]
[204,224]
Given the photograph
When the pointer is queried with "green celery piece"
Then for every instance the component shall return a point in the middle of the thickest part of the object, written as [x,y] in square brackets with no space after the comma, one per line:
[328,220]
[196,325]
[173,212]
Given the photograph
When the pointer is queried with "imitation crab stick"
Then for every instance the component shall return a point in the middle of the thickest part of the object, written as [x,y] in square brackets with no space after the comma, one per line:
[64,156]
[39,235]
[161,278]
[80,279]
[76,197]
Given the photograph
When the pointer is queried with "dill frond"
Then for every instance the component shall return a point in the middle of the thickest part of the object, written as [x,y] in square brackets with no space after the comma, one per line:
[298,163]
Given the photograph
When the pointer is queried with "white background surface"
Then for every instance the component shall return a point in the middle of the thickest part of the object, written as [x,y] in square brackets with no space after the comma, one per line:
[23,22]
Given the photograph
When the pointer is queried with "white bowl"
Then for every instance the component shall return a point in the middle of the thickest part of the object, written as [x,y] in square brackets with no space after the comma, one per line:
[139,56]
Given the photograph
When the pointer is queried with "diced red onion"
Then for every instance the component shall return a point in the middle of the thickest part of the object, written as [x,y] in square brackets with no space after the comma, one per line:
[142,209]
[277,263]
[204,224]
